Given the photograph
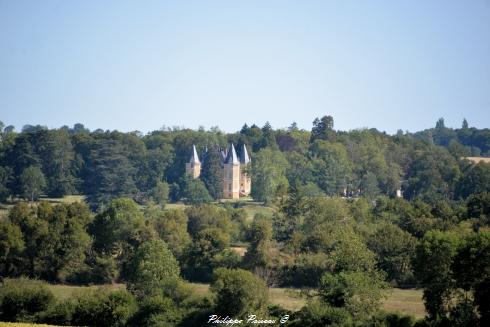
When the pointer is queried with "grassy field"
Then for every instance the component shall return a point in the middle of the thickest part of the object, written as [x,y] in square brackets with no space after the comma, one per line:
[64,292]
[399,300]
[252,208]
[407,301]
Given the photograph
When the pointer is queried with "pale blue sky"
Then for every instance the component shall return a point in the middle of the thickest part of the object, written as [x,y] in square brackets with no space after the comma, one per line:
[138,65]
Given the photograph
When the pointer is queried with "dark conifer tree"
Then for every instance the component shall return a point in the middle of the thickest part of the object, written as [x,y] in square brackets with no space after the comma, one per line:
[212,173]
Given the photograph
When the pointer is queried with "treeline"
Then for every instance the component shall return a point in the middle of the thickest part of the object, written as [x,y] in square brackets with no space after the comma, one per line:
[104,165]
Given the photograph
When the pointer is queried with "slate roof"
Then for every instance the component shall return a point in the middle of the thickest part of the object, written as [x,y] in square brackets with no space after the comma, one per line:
[231,156]
[244,157]
[194,157]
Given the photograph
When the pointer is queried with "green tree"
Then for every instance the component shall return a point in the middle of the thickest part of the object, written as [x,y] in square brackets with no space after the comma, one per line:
[395,250]
[210,216]
[33,182]
[119,229]
[471,269]
[369,185]
[109,172]
[57,155]
[434,257]
[332,168]
[478,206]
[268,139]
[195,192]
[323,129]
[268,174]
[160,192]
[6,177]
[358,292]
[55,239]
[260,236]
[239,292]
[474,180]
[209,250]
[171,226]
[11,247]
[431,175]
[151,268]
[212,173]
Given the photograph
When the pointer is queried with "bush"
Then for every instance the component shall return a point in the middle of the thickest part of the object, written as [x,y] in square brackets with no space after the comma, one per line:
[24,300]
[317,314]
[156,311]
[103,308]
[238,292]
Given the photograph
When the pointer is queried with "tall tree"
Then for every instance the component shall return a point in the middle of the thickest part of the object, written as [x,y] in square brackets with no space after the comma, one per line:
[110,173]
[434,257]
[260,236]
[152,267]
[195,192]
[57,155]
[323,129]
[268,174]
[332,168]
[32,182]
[212,173]
[119,229]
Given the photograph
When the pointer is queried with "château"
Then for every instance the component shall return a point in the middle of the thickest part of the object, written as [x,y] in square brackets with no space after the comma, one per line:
[236,182]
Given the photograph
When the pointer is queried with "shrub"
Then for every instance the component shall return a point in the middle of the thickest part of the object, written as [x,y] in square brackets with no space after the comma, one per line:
[317,314]
[156,311]
[24,300]
[238,292]
[103,308]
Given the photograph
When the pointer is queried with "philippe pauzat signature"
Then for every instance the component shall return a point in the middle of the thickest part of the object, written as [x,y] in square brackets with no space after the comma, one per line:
[251,319]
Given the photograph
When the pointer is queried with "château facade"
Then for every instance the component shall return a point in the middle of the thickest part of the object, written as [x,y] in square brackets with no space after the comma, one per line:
[236,182]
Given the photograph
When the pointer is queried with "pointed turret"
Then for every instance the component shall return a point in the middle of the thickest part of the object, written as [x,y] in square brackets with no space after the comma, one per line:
[244,158]
[232,158]
[224,154]
[193,167]
[194,157]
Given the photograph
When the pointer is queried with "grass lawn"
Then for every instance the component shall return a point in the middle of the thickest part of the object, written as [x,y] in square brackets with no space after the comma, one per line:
[63,292]
[173,206]
[407,301]
[253,209]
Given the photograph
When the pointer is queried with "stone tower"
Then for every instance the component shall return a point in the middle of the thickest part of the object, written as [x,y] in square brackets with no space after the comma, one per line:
[193,167]
[245,181]
[231,175]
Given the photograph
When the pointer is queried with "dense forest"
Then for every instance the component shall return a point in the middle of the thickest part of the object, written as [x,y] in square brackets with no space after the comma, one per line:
[352,214]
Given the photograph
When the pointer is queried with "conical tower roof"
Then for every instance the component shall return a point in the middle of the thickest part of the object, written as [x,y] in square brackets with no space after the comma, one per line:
[231,156]
[244,157]
[194,157]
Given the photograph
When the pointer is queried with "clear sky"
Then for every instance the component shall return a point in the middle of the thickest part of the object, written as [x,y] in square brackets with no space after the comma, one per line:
[139,65]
